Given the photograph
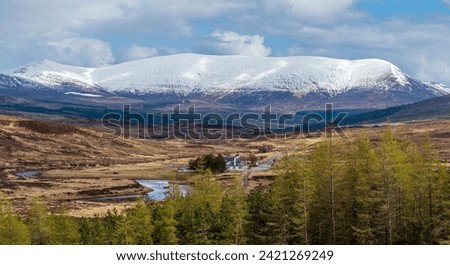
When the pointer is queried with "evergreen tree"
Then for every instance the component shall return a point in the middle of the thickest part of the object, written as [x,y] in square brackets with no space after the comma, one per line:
[290,197]
[85,231]
[63,229]
[141,223]
[441,228]
[110,226]
[39,223]
[165,223]
[206,190]
[197,217]
[425,196]
[12,230]
[325,171]
[92,231]
[259,207]
[359,195]
[124,234]
[395,171]
[135,227]
[234,215]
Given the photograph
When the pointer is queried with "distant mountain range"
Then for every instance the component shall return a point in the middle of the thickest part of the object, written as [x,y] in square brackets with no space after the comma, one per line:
[433,108]
[229,82]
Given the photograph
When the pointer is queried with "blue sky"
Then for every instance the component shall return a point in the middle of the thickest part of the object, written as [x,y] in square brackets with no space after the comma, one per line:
[382,9]
[413,34]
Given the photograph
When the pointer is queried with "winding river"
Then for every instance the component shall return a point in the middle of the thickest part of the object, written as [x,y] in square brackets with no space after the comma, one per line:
[160,190]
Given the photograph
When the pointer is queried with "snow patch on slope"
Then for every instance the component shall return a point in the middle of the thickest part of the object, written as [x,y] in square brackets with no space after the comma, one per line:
[439,86]
[83,94]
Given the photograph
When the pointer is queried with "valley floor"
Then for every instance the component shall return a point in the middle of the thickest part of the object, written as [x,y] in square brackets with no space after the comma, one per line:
[77,164]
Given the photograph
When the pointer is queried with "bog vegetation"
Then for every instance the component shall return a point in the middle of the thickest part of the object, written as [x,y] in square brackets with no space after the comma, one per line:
[391,192]
[46,127]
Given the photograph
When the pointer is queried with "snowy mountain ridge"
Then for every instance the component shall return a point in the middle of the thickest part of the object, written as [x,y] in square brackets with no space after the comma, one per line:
[238,80]
[217,75]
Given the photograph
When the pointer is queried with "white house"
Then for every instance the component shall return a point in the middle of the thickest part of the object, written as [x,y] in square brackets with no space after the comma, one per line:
[235,163]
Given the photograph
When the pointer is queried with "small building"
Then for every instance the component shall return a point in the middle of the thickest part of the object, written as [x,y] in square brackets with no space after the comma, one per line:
[235,163]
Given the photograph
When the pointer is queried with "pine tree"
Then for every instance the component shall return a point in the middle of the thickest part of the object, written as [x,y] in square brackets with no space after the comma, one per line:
[141,224]
[85,232]
[425,196]
[92,231]
[124,234]
[198,212]
[110,226]
[12,230]
[63,229]
[359,195]
[259,207]
[325,171]
[135,227]
[165,216]
[39,224]
[395,171]
[441,228]
[290,197]
[234,215]
[165,223]
[207,191]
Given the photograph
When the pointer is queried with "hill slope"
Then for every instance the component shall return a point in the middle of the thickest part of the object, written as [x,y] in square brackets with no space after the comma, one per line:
[434,108]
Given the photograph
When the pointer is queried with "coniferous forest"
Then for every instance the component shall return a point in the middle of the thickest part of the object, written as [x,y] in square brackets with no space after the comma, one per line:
[389,191]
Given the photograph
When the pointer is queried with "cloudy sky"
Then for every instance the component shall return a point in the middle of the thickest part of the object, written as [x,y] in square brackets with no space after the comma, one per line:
[413,34]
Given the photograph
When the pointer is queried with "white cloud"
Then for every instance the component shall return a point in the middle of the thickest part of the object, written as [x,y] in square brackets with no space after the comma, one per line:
[40,26]
[417,47]
[81,51]
[136,52]
[39,17]
[430,68]
[75,32]
[296,50]
[229,42]
[315,12]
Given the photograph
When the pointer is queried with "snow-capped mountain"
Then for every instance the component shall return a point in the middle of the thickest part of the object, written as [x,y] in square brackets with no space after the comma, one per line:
[305,82]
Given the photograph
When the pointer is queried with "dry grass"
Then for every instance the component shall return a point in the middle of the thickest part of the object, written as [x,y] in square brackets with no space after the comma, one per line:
[78,163]
[46,127]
